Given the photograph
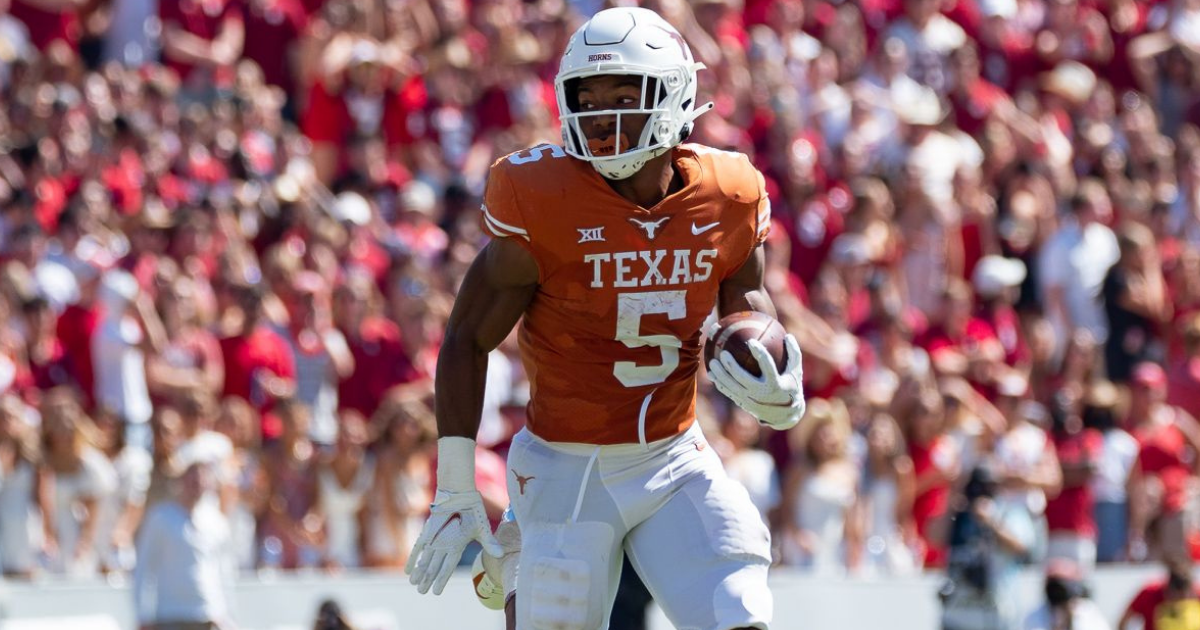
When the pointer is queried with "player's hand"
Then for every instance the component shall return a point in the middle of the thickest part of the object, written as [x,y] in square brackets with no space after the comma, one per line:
[775,398]
[455,519]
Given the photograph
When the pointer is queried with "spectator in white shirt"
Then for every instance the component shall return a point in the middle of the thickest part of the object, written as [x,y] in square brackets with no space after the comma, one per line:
[14,43]
[930,38]
[20,457]
[183,566]
[1074,262]
[56,283]
[1116,461]
[321,354]
[129,329]
[885,83]
[75,480]
[121,510]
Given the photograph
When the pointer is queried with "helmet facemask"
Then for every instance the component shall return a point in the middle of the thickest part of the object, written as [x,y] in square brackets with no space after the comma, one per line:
[620,155]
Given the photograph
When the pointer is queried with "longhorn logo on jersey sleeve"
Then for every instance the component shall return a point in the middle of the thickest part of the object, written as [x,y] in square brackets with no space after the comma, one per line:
[650,227]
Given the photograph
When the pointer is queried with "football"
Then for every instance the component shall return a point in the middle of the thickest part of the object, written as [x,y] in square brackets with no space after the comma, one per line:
[735,330]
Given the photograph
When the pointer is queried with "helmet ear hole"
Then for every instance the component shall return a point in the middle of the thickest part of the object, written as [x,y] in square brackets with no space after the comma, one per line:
[685,132]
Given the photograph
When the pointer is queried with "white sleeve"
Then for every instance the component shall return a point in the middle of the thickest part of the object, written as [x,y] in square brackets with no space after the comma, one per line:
[1019,525]
[1114,248]
[136,467]
[970,151]
[1052,271]
[99,478]
[336,342]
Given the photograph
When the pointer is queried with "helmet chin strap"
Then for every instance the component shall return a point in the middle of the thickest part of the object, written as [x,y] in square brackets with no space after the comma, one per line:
[617,172]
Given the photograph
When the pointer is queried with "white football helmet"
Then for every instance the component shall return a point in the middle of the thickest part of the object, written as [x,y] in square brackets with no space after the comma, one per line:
[637,42]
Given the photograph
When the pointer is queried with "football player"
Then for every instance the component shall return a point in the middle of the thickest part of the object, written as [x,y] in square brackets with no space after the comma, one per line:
[612,250]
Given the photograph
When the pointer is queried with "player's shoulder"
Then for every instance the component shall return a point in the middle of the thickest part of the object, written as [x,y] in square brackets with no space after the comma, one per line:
[522,185]
[540,164]
[730,172]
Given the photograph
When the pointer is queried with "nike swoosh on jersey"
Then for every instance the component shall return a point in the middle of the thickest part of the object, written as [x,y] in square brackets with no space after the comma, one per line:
[697,230]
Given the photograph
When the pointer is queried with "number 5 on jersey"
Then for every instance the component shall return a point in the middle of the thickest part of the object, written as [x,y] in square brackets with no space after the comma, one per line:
[537,153]
[630,309]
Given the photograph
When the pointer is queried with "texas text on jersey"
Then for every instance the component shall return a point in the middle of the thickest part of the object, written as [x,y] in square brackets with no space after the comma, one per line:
[611,342]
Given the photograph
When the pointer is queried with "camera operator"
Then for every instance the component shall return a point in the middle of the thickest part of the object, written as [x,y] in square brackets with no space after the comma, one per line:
[989,540]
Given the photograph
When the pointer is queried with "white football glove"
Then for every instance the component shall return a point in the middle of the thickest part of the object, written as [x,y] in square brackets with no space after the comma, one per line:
[776,399]
[496,578]
[455,519]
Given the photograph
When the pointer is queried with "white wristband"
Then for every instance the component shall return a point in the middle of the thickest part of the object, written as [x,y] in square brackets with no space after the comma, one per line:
[456,464]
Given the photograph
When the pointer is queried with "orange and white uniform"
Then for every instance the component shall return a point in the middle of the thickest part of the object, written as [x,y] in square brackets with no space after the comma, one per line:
[611,342]
[611,461]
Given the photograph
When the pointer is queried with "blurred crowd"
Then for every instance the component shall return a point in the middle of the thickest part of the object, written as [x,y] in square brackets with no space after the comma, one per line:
[232,231]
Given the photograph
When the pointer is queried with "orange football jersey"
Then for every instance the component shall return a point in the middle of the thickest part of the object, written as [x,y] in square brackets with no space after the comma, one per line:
[611,341]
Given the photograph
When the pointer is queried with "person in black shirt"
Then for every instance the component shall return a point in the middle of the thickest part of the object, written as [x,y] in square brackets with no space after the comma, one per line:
[1135,303]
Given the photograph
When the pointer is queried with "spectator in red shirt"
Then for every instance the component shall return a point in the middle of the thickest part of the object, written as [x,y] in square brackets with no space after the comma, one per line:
[850,257]
[978,102]
[416,226]
[76,326]
[996,280]
[192,357]
[1074,31]
[1164,604]
[1183,379]
[379,359]
[958,344]
[1169,440]
[360,249]
[975,99]
[44,353]
[259,367]
[202,40]
[1070,515]
[149,237]
[358,97]
[50,21]
[1184,293]
[936,463]
[275,26]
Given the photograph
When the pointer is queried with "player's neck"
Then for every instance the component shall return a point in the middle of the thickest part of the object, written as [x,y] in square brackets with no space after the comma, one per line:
[653,182]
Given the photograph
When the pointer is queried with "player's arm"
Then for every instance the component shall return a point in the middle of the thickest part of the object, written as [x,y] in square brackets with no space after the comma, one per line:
[775,398]
[745,290]
[495,293]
